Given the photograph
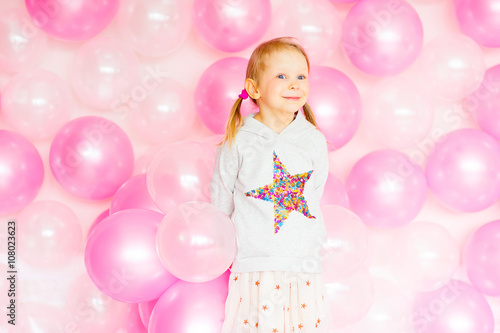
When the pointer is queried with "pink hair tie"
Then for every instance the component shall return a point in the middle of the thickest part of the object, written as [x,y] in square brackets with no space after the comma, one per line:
[243,95]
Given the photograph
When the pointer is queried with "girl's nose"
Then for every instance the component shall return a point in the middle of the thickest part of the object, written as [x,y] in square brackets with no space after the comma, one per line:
[294,85]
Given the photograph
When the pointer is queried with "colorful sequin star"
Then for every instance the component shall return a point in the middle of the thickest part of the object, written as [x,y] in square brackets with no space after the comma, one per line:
[286,192]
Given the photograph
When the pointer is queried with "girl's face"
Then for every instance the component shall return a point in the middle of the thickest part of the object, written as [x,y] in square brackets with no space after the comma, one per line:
[284,86]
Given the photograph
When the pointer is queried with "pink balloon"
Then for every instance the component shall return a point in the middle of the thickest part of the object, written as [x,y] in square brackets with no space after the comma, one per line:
[217,90]
[91,157]
[179,173]
[345,249]
[397,113]
[104,74]
[334,193]
[196,241]
[485,102]
[121,257]
[336,104]
[145,311]
[350,297]
[20,160]
[386,189]
[440,310]
[463,170]
[316,25]
[154,28]
[91,310]
[191,307]
[231,26]
[424,256]
[451,67]
[133,194]
[166,113]
[481,258]
[479,20]
[49,234]
[36,103]
[22,45]
[73,20]
[382,37]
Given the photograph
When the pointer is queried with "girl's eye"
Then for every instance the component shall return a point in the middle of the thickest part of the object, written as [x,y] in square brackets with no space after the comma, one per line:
[280,76]
[302,77]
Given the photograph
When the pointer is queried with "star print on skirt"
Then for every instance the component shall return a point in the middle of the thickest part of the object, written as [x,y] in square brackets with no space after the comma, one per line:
[277,302]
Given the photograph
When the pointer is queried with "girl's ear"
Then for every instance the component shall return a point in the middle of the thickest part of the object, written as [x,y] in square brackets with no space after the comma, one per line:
[251,88]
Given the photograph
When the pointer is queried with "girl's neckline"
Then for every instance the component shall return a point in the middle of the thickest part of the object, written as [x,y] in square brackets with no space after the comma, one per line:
[253,114]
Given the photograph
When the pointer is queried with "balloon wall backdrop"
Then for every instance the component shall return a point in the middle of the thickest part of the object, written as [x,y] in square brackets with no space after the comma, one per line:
[110,115]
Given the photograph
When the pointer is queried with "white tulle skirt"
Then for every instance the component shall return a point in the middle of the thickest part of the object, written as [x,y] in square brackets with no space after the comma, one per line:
[273,302]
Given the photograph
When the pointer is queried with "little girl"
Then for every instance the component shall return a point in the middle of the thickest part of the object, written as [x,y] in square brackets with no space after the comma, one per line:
[270,172]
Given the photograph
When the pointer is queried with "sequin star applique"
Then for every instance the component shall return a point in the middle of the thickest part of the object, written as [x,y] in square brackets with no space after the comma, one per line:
[286,192]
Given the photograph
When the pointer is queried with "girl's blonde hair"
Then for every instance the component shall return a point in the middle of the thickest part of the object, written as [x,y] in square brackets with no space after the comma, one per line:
[256,65]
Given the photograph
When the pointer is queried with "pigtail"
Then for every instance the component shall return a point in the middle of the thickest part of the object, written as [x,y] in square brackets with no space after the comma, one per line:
[234,123]
[309,115]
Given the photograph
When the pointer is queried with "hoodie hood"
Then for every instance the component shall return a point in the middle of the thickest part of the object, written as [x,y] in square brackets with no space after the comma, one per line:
[298,127]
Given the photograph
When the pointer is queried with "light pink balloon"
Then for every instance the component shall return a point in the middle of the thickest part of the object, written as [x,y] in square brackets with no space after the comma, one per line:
[38,317]
[145,311]
[121,257]
[179,173]
[479,20]
[154,28]
[350,297]
[133,323]
[336,104]
[22,172]
[22,45]
[133,194]
[104,73]
[91,157]
[451,66]
[231,26]
[316,25]
[345,249]
[49,234]
[456,303]
[91,310]
[334,193]
[397,113]
[386,189]
[166,113]
[4,292]
[389,312]
[191,307]
[36,103]
[481,258]
[217,90]
[73,20]
[463,170]
[196,241]
[142,162]
[382,37]
[484,103]
[424,256]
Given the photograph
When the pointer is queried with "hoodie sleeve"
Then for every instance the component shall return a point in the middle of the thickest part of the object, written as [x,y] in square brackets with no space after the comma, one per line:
[224,178]
[321,165]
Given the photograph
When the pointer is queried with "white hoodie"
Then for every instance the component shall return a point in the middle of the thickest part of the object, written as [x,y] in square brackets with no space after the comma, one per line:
[270,185]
